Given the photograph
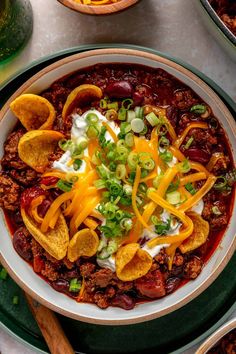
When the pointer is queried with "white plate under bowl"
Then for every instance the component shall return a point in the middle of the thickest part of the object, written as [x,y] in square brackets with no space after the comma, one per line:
[23,273]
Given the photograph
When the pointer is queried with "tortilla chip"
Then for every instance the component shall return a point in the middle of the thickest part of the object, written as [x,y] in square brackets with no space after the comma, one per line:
[199,235]
[55,241]
[132,262]
[36,146]
[34,112]
[81,96]
[83,244]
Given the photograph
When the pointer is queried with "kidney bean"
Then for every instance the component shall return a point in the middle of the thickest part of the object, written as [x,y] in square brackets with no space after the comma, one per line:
[151,285]
[172,115]
[49,181]
[177,270]
[137,98]
[119,89]
[29,194]
[172,284]
[61,285]
[198,155]
[124,301]
[21,243]
[43,208]
[71,274]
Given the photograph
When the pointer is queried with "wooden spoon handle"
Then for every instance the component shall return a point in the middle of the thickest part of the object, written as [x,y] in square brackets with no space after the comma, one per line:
[50,327]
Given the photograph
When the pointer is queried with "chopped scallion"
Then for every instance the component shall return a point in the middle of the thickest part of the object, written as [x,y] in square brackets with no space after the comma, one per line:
[189,143]
[127,103]
[92,118]
[198,109]
[75,285]
[173,197]
[216,210]
[152,119]
[64,186]
[137,125]
[166,156]
[190,188]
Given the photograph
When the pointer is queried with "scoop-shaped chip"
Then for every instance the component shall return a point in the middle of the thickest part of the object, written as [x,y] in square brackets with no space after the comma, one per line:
[199,235]
[54,241]
[81,96]
[34,112]
[36,146]
[132,262]
[83,244]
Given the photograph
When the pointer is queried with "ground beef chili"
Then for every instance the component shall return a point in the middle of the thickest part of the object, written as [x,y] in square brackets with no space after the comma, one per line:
[227,345]
[226,9]
[101,286]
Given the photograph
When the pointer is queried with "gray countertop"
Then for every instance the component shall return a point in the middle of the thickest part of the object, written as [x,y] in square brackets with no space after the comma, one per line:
[170,26]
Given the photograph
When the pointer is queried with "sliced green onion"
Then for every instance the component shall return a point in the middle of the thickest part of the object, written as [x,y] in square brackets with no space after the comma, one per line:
[132,160]
[155,220]
[82,143]
[162,129]
[119,215]
[166,156]
[3,274]
[103,171]
[113,105]
[190,188]
[92,132]
[100,184]
[157,181]
[65,144]
[122,114]
[148,164]
[103,254]
[122,154]
[164,142]
[75,285]
[144,131]
[127,103]
[125,127]
[15,300]
[115,189]
[173,197]
[150,190]
[126,224]
[112,247]
[142,188]
[103,103]
[144,173]
[216,210]
[127,189]
[189,143]
[129,140]
[111,114]
[95,159]
[120,171]
[92,118]
[139,112]
[173,186]
[198,109]
[64,186]
[112,166]
[137,125]
[152,119]
[185,166]
[71,178]
[130,116]
[121,143]
[77,164]
[102,244]
[222,183]
[111,155]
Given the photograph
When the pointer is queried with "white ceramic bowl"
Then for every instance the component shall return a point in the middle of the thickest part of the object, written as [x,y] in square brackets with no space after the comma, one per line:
[23,274]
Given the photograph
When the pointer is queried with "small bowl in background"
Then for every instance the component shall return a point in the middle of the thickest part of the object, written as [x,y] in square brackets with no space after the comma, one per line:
[217,336]
[221,33]
[99,9]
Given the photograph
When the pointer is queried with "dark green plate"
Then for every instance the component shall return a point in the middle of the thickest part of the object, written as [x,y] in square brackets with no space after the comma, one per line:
[172,333]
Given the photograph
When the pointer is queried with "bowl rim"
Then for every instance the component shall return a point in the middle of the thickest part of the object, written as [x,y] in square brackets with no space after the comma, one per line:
[217,336]
[208,281]
[105,9]
[218,22]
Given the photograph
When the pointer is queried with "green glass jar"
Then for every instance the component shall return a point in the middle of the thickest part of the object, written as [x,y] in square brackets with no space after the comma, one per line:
[16,23]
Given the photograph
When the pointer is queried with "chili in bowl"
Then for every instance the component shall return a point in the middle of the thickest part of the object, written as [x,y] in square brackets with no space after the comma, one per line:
[117,186]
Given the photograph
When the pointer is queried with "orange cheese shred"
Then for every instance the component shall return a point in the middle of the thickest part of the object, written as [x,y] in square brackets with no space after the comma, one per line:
[134,193]
[181,138]
[192,178]
[110,131]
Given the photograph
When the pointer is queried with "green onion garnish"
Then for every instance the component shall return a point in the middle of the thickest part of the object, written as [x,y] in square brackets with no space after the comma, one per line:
[216,210]
[126,224]
[222,183]
[139,112]
[100,184]
[92,132]
[103,103]
[130,116]
[111,114]
[113,105]
[152,119]
[127,103]
[173,197]
[129,140]
[166,156]
[198,109]
[164,142]
[120,171]
[75,285]
[189,143]
[122,113]
[185,166]
[92,118]
[148,164]
[157,181]
[64,186]
[77,164]
[162,228]
[190,188]
[133,160]
[65,144]
[137,125]
[3,274]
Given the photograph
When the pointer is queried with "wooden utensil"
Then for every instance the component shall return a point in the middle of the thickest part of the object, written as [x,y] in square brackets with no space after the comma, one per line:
[50,327]
[99,9]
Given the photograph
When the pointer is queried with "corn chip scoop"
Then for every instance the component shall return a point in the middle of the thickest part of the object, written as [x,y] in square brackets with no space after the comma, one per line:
[132,262]
[81,96]
[54,241]
[199,235]
[33,111]
[36,146]
[83,244]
